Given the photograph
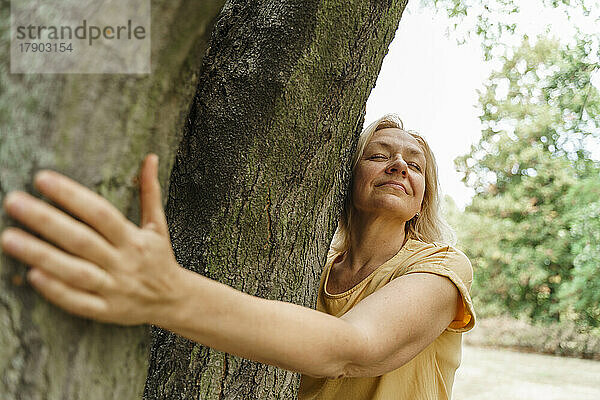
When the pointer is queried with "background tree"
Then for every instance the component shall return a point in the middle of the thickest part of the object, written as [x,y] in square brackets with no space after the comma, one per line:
[253,196]
[494,22]
[579,298]
[539,113]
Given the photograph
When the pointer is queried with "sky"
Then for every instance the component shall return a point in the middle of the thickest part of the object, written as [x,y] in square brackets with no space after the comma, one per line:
[431,82]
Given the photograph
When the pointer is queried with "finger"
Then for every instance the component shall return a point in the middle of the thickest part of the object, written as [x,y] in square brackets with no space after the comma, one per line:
[72,300]
[153,215]
[74,271]
[83,203]
[60,228]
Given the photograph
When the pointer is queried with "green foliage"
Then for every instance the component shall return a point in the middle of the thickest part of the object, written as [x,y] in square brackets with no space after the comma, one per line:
[542,96]
[493,21]
[580,297]
[488,27]
[528,230]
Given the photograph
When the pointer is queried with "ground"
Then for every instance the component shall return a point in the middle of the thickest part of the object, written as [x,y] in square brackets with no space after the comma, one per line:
[492,374]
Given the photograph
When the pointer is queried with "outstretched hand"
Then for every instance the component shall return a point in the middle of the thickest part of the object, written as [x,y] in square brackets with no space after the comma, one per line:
[104,267]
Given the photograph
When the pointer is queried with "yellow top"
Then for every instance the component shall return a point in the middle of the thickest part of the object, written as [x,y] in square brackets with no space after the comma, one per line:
[430,374]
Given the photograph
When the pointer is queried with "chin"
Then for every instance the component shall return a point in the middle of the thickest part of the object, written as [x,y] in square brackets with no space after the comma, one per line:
[390,209]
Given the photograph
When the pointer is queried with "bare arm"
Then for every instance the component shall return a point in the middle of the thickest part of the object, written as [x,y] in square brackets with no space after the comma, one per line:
[272,332]
[108,269]
[380,334]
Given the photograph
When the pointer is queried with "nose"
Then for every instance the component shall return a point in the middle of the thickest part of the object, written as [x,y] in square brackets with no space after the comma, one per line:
[397,164]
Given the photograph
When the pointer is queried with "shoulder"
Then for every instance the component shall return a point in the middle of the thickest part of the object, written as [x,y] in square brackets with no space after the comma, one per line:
[440,257]
[449,262]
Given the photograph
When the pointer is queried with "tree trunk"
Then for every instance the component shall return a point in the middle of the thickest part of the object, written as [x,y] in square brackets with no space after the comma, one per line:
[96,129]
[260,174]
[255,189]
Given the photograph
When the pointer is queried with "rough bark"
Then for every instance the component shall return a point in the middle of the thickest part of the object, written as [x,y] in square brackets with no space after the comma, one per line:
[96,129]
[260,173]
[255,190]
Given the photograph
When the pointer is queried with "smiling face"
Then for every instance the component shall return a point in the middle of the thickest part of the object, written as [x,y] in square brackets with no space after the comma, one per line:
[389,177]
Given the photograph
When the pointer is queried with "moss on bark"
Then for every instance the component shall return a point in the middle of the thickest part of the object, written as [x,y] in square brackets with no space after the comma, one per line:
[263,166]
[96,129]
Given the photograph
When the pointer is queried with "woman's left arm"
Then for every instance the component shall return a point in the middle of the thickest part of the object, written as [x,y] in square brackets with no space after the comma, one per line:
[107,268]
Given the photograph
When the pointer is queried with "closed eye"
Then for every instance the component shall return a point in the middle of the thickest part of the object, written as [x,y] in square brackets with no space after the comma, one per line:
[415,165]
[377,156]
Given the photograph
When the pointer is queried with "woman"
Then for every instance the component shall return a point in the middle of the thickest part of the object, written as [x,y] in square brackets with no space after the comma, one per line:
[395,302]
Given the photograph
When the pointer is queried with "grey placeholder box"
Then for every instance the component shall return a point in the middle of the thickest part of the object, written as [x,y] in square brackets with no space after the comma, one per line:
[82,36]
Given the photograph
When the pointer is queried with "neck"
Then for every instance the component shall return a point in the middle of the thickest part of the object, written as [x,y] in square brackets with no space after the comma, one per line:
[374,239]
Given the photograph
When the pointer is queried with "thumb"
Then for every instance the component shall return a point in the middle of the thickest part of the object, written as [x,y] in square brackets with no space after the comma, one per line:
[153,216]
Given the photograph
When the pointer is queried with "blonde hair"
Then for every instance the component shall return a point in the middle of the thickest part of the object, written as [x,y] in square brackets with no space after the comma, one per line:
[429,226]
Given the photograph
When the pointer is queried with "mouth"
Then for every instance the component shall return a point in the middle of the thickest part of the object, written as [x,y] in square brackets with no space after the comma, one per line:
[395,185]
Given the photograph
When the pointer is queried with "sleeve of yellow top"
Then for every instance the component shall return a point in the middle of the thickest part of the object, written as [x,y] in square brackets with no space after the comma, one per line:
[456,267]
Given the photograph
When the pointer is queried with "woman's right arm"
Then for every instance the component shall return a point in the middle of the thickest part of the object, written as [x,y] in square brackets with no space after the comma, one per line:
[273,332]
[108,269]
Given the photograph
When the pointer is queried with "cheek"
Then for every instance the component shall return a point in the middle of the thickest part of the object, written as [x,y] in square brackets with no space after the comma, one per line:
[361,180]
[420,189]
[360,174]
[358,190]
